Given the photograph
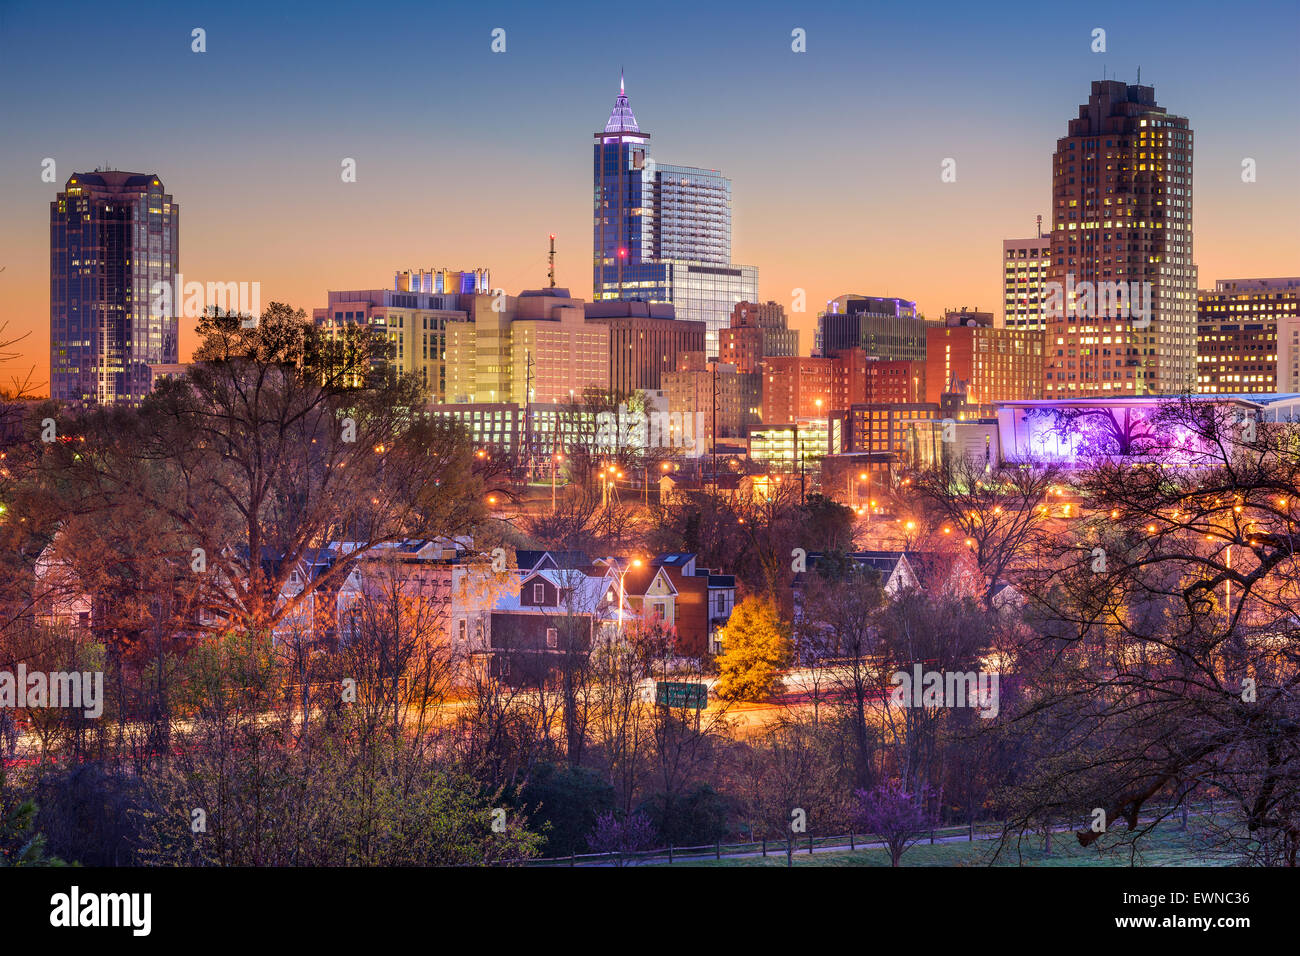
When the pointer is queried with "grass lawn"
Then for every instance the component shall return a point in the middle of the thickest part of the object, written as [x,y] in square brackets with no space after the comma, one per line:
[1164,846]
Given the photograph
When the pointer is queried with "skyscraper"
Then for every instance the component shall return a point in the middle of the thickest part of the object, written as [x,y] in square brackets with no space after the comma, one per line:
[1120,303]
[662,233]
[113,236]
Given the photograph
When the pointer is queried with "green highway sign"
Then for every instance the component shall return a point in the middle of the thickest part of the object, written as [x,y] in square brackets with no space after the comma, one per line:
[676,694]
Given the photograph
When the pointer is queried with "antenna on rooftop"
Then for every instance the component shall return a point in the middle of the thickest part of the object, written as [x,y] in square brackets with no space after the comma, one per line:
[550,273]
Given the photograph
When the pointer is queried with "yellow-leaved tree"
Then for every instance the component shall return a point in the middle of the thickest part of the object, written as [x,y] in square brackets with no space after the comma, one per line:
[756,645]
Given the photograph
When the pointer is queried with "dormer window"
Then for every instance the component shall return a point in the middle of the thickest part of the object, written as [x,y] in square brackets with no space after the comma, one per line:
[539,593]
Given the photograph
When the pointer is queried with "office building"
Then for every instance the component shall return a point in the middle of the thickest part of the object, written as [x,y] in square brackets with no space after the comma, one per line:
[1120,303]
[412,316]
[882,327]
[114,243]
[662,233]
[710,389]
[1248,337]
[1024,281]
[967,355]
[645,340]
[534,347]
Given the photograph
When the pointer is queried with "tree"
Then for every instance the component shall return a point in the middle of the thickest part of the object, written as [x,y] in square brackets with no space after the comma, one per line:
[944,634]
[565,803]
[1000,513]
[835,639]
[755,646]
[21,844]
[1163,659]
[278,442]
[793,782]
[622,838]
[900,818]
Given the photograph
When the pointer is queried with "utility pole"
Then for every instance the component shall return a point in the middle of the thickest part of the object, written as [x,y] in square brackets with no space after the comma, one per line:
[714,435]
[803,497]
[556,458]
[528,414]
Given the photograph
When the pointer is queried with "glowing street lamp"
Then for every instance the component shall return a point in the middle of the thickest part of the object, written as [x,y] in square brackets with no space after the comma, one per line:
[636,563]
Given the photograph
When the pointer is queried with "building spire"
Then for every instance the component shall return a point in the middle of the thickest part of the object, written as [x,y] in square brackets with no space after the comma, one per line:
[621,119]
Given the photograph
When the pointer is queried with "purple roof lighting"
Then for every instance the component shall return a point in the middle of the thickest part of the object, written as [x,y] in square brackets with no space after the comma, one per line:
[621,119]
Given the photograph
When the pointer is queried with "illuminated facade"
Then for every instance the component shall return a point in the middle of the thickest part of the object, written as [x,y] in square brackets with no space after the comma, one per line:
[1122,216]
[505,428]
[1248,337]
[534,347]
[662,233]
[113,236]
[898,430]
[1024,276]
[882,327]
[774,445]
[967,355]
[412,319]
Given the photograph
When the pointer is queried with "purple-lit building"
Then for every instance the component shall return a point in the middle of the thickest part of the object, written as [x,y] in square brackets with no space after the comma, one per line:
[1076,432]
[662,233]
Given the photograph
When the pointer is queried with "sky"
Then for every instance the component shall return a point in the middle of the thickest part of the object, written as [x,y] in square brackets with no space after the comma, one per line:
[470,158]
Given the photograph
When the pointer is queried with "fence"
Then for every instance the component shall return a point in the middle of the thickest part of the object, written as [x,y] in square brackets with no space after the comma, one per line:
[808,843]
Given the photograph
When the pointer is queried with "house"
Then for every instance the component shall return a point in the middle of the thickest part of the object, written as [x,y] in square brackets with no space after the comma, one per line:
[703,602]
[651,594]
[551,614]
[895,568]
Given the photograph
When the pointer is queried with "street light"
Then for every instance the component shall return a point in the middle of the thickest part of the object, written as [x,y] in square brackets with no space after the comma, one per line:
[555,460]
[622,596]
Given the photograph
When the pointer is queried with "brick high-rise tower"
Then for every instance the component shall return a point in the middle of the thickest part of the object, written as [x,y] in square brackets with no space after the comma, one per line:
[1121,232]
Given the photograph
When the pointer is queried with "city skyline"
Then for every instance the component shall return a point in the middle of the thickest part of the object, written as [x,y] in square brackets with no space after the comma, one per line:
[285,219]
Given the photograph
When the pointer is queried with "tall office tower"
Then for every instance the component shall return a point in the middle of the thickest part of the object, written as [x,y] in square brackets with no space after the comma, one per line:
[1121,293]
[663,233]
[1248,337]
[885,328]
[113,236]
[1024,273]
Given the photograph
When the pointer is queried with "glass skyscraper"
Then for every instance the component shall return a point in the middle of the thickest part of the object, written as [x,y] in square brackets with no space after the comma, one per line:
[113,235]
[662,233]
